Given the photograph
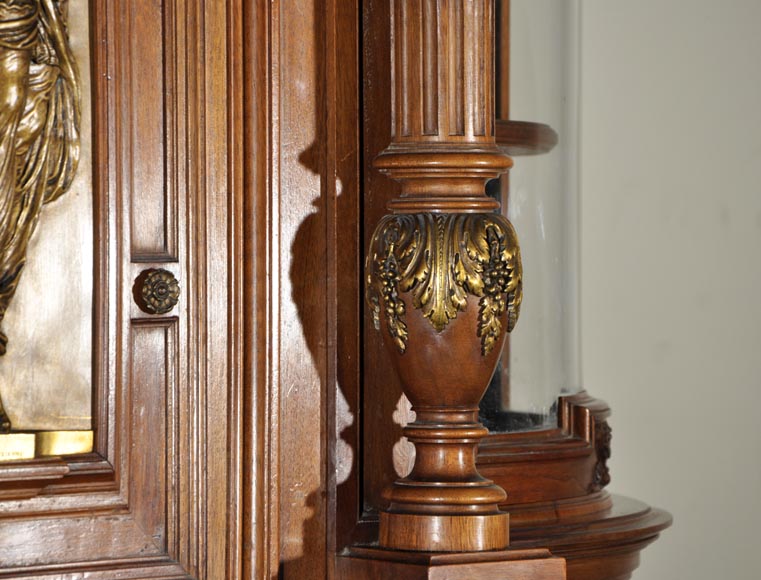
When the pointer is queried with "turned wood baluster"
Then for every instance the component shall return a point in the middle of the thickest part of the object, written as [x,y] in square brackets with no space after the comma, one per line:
[444,274]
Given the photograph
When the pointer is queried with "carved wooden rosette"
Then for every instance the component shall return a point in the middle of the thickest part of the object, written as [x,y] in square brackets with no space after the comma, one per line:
[159,291]
[443,271]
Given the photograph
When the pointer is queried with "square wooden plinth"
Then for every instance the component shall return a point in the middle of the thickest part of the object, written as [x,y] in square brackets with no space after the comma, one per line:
[369,563]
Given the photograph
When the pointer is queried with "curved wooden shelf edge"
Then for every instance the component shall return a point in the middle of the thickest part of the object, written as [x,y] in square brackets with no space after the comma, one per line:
[518,138]
[564,511]
[544,471]
[604,546]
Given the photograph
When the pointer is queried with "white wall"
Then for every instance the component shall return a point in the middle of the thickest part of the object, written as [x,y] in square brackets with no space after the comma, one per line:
[670,133]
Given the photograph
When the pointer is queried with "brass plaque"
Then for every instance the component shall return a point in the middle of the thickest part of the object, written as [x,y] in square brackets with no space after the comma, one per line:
[62,442]
[17,446]
[46,371]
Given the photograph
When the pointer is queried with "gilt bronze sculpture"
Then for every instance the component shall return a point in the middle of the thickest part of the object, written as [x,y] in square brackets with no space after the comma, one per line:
[39,130]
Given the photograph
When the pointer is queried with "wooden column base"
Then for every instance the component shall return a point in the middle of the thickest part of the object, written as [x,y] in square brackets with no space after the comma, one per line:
[379,564]
[444,533]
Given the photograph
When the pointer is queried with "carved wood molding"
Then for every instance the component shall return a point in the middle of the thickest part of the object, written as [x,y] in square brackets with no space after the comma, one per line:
[259,86]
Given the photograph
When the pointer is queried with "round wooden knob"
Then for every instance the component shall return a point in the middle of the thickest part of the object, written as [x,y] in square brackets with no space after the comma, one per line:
[160,291]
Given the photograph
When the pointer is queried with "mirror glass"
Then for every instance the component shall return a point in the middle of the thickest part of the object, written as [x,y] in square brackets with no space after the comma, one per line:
[541,359]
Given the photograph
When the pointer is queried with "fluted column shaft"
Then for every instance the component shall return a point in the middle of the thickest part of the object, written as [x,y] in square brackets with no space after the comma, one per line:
[443,147]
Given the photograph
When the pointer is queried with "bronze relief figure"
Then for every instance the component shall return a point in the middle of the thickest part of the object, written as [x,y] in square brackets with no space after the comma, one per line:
[39,130]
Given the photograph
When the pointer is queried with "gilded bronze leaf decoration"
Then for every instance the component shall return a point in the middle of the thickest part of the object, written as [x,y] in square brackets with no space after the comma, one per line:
[501,291]
[39,129]
[440,259]
[383,281]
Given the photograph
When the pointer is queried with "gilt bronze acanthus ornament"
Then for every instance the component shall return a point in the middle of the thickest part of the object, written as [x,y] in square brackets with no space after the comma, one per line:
[39,130]
[440,259]
[444,289]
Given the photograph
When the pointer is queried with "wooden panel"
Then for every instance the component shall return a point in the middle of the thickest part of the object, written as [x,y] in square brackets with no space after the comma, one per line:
[154,382]
[57,542]
[149,103]
[302,286]
[160,496]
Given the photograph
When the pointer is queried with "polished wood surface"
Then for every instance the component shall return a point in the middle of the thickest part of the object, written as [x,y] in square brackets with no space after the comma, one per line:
[158,496]
[302,285]
[247,434]
[376,564]
[444,274]
[550,465]
[555,499]
[524,137]
[601,546]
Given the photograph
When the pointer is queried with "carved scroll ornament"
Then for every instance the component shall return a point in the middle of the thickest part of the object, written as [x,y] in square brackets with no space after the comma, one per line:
[601,475]
[39,129]
[440,259]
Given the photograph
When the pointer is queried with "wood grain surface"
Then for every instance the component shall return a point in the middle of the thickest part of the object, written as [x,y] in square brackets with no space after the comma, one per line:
[248,434]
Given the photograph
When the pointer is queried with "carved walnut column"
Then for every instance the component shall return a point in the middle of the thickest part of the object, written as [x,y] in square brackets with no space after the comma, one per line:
[443,271]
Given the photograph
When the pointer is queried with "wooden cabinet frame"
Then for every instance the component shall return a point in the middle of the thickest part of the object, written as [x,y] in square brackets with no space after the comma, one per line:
[160,495]
[231,434]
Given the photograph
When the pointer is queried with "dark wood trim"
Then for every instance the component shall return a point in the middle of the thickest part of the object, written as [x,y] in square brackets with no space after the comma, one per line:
[502,60]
